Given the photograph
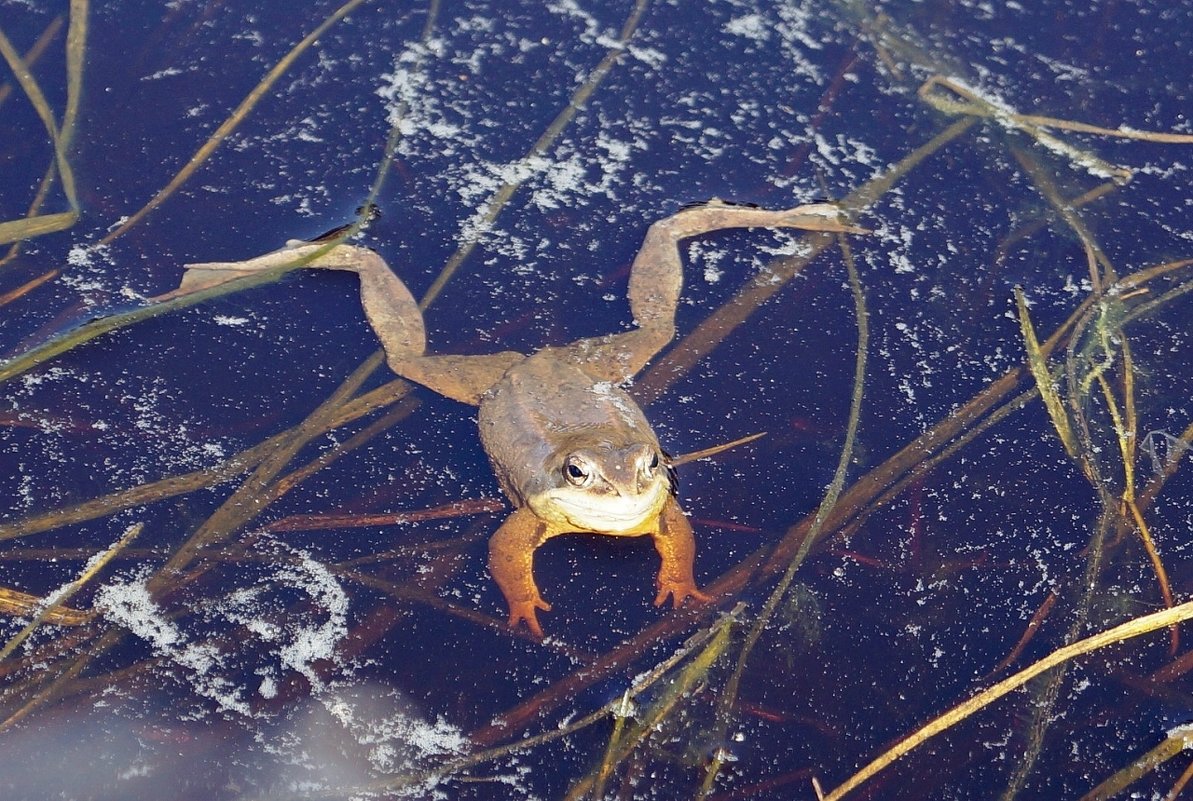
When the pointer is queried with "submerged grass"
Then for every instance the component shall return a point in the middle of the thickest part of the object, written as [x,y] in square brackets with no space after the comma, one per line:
[49,611]
[61,135]
[1125,631]
[1044,382]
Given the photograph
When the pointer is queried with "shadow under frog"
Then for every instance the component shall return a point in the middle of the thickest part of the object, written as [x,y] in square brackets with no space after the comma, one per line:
[570,448]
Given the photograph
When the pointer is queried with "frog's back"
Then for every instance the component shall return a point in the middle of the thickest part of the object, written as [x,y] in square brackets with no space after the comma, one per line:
[546,406]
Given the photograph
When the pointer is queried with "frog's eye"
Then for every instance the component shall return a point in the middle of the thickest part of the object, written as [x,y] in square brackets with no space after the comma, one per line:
[651,466]
[576,472]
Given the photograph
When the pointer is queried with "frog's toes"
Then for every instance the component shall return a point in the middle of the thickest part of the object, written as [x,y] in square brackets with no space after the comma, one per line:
[819,217]
[528,611]
[679,592]
[716,201]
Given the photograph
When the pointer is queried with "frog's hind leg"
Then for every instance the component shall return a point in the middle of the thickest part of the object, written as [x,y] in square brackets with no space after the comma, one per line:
[656,277]
[390,308]
[462,378]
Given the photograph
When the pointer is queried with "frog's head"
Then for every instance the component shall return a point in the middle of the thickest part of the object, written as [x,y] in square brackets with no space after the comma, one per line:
[605,488]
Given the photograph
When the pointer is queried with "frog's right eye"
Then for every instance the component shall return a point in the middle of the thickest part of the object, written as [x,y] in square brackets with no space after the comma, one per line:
[576,472]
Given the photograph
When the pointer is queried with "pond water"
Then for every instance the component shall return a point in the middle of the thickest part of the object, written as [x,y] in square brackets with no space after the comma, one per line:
[305,609]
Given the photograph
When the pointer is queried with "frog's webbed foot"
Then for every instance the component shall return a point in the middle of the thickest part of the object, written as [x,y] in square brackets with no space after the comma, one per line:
[676,544]
[678,593]
[207,275]
[656,276]
[528,611]
[511,561]
[390,308]
[388,304]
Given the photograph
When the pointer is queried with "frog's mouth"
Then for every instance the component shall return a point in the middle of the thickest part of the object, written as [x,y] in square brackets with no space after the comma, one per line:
[580,510]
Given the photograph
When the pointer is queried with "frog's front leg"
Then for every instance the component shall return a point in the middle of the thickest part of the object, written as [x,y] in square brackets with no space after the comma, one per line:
[676,545]
[656,277]
[511,561]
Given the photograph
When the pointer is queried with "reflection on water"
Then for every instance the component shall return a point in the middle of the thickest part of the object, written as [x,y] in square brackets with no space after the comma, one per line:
[236,650]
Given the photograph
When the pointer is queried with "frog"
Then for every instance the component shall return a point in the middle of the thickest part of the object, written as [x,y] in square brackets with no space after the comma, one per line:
[570,447]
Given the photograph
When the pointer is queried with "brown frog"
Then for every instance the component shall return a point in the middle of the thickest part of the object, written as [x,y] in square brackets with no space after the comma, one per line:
[570,448]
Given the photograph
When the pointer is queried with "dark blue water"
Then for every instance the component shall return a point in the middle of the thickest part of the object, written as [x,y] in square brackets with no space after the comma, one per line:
[346,662]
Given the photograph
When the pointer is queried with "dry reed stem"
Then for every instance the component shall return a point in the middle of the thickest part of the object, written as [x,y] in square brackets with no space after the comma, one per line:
[56,599]
[1033,625]
[1178,740]
[60,136]
[31,57]
[318,522]
[1119,133]
[1124,631]
[1180,784]
[714,450]
[15,602]
[974,105]
[1043,377]
[238,115]
[28,286]
[1150,546]
[496,202]
[608,759]
[35,52]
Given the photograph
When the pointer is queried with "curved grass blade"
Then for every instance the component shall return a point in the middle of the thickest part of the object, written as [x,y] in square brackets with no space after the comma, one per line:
[238,115]
[1124,631]
[60,138]
[57,599]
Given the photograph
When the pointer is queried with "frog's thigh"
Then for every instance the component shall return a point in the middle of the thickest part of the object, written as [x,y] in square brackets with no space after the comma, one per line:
[676,545]
[617,357]
[398,323]
[462,378]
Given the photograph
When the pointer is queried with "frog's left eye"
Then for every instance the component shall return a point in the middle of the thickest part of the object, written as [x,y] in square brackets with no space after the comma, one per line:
[652,465]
